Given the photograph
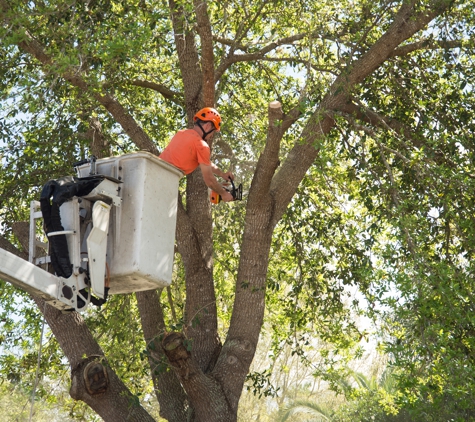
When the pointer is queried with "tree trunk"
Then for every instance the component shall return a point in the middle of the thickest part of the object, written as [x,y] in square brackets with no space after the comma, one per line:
[173,401]
[206,378]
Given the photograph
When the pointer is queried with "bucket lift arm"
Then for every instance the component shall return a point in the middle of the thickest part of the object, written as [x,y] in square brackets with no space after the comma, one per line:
[35,280]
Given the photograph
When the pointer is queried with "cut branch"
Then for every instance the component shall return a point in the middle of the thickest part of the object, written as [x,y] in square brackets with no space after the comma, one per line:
[204,392]
[168,389]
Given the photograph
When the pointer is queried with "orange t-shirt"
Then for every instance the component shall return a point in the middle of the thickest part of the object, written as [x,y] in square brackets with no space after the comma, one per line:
[187,151]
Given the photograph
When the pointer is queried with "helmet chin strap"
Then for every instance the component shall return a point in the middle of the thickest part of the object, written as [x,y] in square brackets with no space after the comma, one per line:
[205,134]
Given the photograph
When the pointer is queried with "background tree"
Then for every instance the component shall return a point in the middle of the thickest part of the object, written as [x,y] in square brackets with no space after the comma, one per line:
[350,122]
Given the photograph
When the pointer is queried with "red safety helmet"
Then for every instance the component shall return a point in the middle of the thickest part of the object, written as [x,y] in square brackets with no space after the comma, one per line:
[209,114]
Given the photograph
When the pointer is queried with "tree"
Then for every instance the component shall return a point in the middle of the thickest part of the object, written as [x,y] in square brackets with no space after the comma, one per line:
[109,74]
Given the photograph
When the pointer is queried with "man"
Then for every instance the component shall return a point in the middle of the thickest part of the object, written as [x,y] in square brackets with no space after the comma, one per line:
[188,149]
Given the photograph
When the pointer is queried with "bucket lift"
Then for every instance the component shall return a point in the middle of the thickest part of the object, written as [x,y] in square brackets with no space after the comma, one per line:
[110,230]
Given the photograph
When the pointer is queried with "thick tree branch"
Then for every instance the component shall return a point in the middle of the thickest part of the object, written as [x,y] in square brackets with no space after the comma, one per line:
[269,159]
[80,348]
[167,93]
[188,59]
[97,138]
[406,23]
[239,348]
[242,338]
[77,342]
[194,228]
[430,45]
[200,306]
[207,54]
[197,203]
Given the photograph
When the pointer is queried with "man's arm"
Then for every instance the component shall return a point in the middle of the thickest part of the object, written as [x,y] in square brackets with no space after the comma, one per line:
[212,183]
[218,172]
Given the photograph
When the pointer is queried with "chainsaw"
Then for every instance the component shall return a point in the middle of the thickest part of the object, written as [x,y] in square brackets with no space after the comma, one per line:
[236,192]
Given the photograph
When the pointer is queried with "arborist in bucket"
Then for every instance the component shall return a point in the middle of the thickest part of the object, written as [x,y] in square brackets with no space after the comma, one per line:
[189,149]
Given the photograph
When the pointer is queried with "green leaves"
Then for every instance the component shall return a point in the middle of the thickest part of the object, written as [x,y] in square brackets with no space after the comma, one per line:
[381,227]
[261,384]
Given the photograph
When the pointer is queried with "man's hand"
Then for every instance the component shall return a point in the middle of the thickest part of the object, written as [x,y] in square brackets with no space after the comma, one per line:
[228,175]
[227,197]
[213,184]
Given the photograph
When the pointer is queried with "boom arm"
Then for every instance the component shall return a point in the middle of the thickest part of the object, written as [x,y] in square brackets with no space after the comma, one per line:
[27,276]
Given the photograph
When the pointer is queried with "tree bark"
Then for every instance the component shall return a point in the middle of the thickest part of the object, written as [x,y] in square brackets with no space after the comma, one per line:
[204,391]
[194,224]
[207,54]
[173,401]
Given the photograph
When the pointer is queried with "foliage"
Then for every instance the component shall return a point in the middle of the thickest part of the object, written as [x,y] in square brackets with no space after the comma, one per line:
[15,405]
[386,209]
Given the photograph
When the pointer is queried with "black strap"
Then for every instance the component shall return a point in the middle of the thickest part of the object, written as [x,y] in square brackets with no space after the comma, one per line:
[205,134]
